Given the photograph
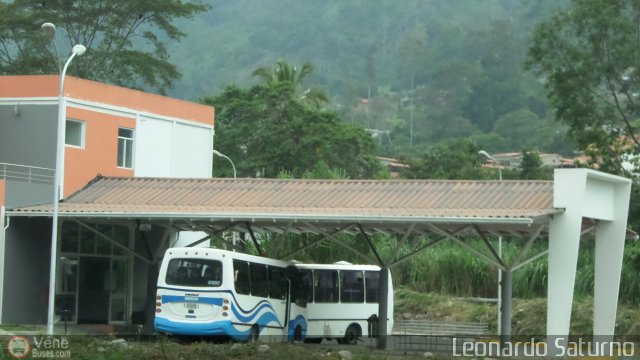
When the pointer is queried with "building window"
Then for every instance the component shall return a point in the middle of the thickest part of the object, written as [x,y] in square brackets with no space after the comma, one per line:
[125,148]
[74,133]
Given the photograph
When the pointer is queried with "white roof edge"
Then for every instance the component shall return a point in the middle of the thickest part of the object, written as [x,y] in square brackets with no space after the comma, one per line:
[523,220]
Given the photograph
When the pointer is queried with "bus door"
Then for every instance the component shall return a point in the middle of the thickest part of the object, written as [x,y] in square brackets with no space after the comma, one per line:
[297,304]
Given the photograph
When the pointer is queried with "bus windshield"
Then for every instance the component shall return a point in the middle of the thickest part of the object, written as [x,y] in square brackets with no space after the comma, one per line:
[194,272]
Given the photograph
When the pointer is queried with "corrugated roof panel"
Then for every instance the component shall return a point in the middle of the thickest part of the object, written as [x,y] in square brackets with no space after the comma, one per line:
[501,199]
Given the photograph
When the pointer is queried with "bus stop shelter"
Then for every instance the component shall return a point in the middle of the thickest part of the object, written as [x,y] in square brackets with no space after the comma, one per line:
[420,213]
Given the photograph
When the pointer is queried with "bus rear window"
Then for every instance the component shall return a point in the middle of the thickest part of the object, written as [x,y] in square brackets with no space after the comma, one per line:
[194,272]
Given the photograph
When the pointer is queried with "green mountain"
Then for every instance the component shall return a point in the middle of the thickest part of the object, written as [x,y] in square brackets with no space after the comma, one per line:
[413,71]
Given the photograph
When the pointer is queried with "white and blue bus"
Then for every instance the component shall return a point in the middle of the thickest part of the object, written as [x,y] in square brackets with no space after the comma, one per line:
[213,292]
[341,300]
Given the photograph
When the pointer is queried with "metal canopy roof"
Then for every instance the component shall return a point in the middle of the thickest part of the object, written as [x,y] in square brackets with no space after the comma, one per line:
[277,205]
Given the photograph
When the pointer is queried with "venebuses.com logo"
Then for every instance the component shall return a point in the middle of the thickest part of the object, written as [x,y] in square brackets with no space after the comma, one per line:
[38,347]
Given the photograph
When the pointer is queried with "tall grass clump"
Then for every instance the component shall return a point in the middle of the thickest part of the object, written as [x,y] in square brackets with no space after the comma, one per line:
[448,269]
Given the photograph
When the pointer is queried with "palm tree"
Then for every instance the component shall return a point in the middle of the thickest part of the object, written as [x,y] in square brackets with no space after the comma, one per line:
[283,72]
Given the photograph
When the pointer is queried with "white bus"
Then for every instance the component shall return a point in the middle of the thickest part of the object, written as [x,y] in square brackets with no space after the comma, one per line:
[213,292]
[341,300]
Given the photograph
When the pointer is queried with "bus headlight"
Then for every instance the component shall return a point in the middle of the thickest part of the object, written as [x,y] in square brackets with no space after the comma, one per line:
[225,314]
[158,310]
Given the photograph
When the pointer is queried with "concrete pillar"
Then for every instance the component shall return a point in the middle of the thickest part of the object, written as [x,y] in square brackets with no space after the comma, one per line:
[610,237]
[505,310]
[564,241]
[603,198]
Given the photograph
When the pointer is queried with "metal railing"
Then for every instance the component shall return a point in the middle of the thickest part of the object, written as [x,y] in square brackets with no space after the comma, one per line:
[441,328]
[30,174]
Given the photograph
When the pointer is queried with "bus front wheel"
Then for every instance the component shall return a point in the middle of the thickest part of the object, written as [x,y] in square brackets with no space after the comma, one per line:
[351,335]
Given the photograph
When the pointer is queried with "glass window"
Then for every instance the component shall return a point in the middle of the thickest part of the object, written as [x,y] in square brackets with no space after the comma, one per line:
[125,148]
[103,246]
[259,283]
[194,272]
[277,283]
[326,286]
[74,133]
[87,241]
[70,234]
[241,277]
[372,284]
[351,286]
[307,282]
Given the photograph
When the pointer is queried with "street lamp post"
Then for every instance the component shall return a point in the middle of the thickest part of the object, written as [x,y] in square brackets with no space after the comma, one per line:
[500,271]
[219,154]
[49,30]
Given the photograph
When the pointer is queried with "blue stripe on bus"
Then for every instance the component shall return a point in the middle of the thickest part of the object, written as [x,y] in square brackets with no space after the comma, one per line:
[180,298]
[249,314]
[189,328]
[216,328]
[265,319]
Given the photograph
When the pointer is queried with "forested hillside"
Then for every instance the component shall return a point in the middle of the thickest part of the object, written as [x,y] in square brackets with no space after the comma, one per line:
[414,72]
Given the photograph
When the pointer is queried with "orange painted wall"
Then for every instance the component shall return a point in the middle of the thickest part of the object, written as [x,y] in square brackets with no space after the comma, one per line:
[100,153]
[1,193]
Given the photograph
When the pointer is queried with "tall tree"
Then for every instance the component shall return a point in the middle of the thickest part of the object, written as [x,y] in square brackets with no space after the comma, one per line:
[266,131]
[455,159]
[286,73]
[531,167]
[125,38]
[589,58]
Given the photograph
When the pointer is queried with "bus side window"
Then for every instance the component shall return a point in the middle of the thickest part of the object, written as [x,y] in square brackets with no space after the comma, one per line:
[307,282]
[277,283]
[372,285]
[326,289]
[241,277]
[351,286]
[259,283]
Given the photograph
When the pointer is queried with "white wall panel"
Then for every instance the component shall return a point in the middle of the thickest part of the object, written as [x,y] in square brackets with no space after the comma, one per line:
[153,144]
[192,151]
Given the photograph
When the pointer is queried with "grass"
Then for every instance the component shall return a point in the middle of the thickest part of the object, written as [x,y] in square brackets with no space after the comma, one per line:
[85,347]
[528,315]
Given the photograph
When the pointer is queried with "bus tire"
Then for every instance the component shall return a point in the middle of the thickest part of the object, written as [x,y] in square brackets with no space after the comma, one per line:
[297,333]
[351,335]
[254,333]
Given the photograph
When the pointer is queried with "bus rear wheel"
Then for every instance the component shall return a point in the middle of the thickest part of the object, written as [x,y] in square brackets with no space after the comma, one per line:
[254,333]
[351,335]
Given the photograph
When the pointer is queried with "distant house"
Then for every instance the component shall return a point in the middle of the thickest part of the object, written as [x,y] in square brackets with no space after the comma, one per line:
[513,160]
[393,165]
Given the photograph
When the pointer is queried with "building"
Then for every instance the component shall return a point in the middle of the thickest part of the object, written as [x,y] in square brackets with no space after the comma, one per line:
[109,131]
[394,166]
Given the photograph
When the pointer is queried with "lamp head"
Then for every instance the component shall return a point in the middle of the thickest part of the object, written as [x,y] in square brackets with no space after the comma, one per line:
[48,30]
[216,152]
[78,49]
[484,153]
